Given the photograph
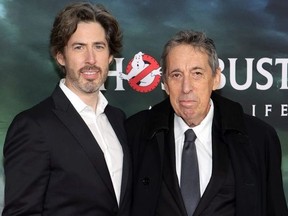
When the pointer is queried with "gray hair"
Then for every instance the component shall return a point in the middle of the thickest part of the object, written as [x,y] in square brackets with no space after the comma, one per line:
[195,39]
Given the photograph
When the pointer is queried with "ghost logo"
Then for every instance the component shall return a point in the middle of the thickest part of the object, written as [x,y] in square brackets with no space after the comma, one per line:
[143,73]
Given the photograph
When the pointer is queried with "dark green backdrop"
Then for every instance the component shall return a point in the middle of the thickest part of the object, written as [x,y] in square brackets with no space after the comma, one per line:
[251,37]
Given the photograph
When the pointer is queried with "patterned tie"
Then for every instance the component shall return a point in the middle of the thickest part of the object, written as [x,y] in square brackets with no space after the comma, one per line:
[189,183]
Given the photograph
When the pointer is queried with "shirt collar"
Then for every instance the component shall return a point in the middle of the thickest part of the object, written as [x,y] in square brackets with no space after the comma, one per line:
[202,131]
[102,103]
[78,104]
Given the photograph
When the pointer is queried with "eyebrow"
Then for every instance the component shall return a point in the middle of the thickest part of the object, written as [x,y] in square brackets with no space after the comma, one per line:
[95,43]
[192,69]
[100,42]
[197,68]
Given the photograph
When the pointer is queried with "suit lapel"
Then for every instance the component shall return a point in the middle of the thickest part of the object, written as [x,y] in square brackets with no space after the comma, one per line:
[169,172]
[75,124]
[220,168]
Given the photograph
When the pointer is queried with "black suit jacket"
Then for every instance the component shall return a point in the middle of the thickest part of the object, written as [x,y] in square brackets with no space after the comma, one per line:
[54,166]
[246,173]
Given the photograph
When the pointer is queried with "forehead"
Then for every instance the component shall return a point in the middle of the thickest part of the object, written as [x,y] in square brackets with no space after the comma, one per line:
[186,54]
[88,31]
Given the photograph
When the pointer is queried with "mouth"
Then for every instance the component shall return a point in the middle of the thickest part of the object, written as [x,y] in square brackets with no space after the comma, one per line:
[90,72]
[187,103]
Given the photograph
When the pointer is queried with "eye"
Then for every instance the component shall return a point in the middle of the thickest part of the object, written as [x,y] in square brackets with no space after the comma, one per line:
[175,76]
[78,47]
[197,75]
[99,47]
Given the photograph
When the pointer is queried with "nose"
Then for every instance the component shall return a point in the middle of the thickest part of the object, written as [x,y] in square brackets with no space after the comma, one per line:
[91,56]
[187,84]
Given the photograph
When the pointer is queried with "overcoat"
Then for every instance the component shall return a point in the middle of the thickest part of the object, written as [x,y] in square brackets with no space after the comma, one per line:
[250,148]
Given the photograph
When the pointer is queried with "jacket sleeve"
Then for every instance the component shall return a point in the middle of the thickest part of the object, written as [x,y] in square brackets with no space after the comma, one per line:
[26,167]
[276,203]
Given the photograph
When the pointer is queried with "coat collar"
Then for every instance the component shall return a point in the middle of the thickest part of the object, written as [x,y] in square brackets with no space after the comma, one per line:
[159,118]
[230,118]
[231,115]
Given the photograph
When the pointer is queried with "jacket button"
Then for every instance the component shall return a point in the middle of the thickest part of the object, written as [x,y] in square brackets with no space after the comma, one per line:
[145,181]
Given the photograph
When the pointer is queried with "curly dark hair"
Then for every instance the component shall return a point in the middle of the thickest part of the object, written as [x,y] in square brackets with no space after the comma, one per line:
[65,24]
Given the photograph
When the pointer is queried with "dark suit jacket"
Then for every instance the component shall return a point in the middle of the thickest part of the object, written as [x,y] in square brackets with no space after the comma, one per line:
[54,166]
[246,164]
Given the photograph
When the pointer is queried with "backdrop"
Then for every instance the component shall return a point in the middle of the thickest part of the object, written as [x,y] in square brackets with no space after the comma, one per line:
[251,38]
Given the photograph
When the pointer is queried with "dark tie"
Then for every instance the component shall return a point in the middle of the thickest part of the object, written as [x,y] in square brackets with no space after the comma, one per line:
[190,186]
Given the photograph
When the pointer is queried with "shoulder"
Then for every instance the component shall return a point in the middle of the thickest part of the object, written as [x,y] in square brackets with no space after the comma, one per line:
[155,117]
[233,117]
[28,126]
[37,111]
[115,112]
[138,117]
[31,120]
[137,122]
[226,104]
[258,126]
[263,138]
[144,125]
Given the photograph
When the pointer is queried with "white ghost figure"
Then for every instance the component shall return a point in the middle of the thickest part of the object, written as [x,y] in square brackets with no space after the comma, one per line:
[139,65]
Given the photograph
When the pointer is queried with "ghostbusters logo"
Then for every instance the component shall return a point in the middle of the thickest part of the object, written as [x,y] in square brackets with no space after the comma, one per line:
[143,73]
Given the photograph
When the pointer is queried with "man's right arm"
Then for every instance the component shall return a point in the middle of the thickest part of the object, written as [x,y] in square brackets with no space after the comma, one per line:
[26,167]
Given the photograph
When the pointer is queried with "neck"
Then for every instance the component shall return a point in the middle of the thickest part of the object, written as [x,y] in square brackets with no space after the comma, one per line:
[90,99]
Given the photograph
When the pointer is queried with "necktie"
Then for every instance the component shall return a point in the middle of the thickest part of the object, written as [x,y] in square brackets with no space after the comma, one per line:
[189,183]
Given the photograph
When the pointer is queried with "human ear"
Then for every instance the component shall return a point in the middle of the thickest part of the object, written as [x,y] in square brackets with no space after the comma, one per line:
[216,78]
[60,58]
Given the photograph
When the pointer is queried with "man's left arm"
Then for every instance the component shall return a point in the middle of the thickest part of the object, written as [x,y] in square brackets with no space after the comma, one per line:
[276,203]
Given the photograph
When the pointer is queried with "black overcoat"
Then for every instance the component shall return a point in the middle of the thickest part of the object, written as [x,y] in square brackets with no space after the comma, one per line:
[255,156]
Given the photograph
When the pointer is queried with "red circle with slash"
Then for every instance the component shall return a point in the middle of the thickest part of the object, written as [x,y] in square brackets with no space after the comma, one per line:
[135,81]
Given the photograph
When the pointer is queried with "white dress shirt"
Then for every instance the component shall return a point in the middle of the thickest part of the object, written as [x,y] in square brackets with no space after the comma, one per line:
[203,144]
[103,132]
